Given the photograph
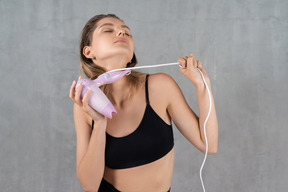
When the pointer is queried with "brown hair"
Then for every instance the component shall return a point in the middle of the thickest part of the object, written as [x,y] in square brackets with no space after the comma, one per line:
[90,69]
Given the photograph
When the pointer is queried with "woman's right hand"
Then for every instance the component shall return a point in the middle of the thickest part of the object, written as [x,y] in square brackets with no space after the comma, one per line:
[83,103]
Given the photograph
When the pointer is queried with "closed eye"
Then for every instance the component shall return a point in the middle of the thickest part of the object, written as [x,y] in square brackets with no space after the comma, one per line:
[129,35]
[111,31]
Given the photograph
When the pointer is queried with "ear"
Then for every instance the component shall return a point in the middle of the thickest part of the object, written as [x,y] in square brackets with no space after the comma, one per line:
[87,52]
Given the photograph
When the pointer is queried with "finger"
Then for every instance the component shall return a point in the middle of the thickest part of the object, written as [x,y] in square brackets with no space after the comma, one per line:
[85,100]
[76,91]
[194,61]
[89,109]
[195,64]
[182,62]
[86,96]
[72,90]
[190,61]
[199,65]
[77,97]
[201,68]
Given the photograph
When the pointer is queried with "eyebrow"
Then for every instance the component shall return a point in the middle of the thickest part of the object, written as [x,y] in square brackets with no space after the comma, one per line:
[111,24]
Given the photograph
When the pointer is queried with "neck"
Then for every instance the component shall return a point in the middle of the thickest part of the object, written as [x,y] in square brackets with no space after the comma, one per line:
[114,62]
[120,91]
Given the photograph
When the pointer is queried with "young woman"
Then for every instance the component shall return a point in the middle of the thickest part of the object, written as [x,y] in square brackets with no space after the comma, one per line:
[134,151]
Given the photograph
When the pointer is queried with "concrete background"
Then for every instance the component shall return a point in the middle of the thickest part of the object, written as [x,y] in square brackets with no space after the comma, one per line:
[242,45]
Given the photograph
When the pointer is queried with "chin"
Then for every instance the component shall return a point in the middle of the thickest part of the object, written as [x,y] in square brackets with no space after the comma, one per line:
[124,55]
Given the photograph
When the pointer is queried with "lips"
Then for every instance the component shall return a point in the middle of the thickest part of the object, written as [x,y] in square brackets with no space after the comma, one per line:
[121,40]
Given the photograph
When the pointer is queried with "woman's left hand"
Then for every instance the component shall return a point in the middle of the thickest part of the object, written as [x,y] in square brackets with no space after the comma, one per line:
[188,67]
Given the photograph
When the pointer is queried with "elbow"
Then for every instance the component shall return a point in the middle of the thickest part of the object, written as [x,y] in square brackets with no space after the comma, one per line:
[209,152]
[212,151]
[89,189]
[87,185]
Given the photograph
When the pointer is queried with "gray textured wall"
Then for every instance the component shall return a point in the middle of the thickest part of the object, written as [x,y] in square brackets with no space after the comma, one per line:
[242,45]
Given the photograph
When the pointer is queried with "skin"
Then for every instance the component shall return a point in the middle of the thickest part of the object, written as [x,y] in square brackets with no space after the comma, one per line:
[166,99]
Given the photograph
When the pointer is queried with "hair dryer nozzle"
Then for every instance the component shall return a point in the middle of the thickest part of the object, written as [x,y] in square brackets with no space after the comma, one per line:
[109,110]
[110,77]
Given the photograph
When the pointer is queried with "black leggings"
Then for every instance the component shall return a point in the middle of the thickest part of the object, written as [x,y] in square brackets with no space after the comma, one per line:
[105,186]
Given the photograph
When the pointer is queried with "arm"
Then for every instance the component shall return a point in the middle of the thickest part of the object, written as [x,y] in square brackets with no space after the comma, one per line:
[188,123]
[90,153]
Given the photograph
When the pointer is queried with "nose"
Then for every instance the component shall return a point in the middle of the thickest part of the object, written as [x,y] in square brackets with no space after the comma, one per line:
[121,33]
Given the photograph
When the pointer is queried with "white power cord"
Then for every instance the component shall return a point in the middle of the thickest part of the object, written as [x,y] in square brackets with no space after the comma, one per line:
[142,67]
[210,106]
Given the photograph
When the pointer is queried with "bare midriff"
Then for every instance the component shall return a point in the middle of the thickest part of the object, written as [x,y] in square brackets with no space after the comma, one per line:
[155,176]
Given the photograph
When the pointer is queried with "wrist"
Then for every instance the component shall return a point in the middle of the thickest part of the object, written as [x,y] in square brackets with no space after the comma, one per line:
[201,85]
[100,125]
[99,133]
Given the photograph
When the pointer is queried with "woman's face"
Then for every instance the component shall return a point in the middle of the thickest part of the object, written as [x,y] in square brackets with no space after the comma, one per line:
[112,38]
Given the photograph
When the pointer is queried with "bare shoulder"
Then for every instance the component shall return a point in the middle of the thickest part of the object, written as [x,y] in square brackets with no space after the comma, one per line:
[162,82]
[162,87]
[161,78]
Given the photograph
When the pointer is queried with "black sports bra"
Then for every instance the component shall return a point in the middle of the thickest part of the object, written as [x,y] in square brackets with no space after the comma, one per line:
[152,140]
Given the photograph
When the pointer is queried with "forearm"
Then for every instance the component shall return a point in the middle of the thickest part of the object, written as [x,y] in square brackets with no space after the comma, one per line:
[90,170]
[212,123]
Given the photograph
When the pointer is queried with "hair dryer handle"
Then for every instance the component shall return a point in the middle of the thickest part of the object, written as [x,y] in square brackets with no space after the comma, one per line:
[101,103]
[97,100]
[110,77]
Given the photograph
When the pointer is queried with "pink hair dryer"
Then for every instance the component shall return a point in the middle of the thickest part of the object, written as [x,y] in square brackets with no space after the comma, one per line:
[98,100]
